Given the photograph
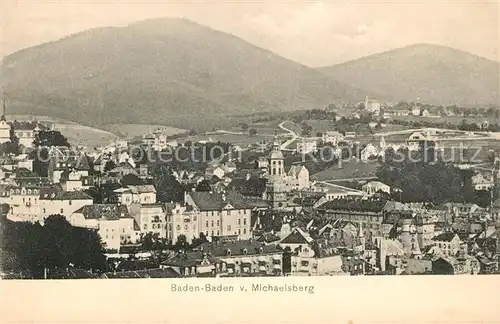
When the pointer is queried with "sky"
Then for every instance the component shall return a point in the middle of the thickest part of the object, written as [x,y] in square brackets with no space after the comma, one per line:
[314,33]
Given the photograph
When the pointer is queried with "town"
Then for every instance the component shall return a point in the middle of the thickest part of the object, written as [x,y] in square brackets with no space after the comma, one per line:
[367,189]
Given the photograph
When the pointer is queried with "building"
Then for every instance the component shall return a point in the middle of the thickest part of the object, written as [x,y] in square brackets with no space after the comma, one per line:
[369,151]
[449,243]
[113,223]
[157,140]
[193,264]
[56,201]
[369,213]
[373,187]
[309,257]
[415,110]
[218,214]
[297,177]
[306,145]
[141,194]
[26,131]
[332,137]
[35,203]
[372,106]
[214,171]
[246,257]
[276,187]
[150,218]
[480,182]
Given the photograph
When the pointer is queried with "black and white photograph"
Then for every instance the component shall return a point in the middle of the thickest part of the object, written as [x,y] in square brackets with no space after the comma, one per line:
[254,139]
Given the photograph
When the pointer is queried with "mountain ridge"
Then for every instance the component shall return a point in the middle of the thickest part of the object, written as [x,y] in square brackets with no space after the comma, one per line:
[435,74]
[150,70]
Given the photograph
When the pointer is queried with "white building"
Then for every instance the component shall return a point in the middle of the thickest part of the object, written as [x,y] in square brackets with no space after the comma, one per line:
[373,187]
[113,223]
[297,177]
[332,137]
[306,145]
[142,194]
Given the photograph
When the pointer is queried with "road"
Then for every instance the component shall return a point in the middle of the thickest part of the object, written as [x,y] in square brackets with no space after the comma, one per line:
[291,132]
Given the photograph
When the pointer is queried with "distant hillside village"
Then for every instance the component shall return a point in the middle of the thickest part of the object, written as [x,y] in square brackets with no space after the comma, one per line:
[141,211]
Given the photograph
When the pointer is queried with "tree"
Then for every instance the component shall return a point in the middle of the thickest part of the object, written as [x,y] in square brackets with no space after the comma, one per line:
[56,245]
[48,138]
[110,165]
[12,146]
[244,126]
[252,132]
[131,180]
[181,243]
[167,187]
[199,241]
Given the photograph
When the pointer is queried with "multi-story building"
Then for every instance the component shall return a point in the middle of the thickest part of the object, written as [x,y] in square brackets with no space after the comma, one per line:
[369,213]
[221,213]
[35,203]
[26,131]
[55,201]
[150,218]
[142,194]
[297,177]
[246,257]
[113,223]
[332,137]
[306,145]
[449,243]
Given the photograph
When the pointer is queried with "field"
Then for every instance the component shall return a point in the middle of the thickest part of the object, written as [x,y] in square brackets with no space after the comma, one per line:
[130,131]
[348,170]
[455,120]
[242,140]
[75,133]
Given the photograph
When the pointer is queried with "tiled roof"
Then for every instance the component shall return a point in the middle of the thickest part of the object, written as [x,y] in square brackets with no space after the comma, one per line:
[206,201]
[189,259]
[237,248]
[357,205]
[104,211]
[444,237]
[58,194]
[297,236]
[307,201]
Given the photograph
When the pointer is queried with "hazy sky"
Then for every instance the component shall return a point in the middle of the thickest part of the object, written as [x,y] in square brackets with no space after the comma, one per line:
[315,33]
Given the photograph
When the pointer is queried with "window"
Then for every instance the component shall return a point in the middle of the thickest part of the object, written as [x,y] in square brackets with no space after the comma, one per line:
[218,233]
[239,221]
[70,202]
[178,227]
[123,230]
[228,227]
[304,263]
[212,223]
[206,224]
[185,227]
[145,226]
[62,211]
[244,231]
[239,231]
[244,221]
[212,213]
[44,210]
[218,223]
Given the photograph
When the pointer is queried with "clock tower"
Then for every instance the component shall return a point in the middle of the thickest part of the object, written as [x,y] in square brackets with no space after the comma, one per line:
[275,186]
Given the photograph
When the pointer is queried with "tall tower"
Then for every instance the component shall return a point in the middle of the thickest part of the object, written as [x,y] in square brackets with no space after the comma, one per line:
[4,126]
[276,187]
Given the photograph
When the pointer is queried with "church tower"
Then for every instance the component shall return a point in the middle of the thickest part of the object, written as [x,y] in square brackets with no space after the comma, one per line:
[276,187]
[4,126]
